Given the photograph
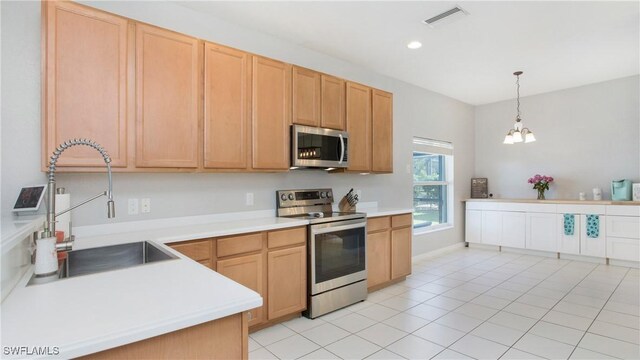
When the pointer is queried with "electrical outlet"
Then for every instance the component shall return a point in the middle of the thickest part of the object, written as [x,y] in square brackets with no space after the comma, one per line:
[249,199]
[145,205]
[133,207]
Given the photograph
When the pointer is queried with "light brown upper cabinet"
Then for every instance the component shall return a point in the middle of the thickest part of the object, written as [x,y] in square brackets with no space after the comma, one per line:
[270,114]
[332,114]
[359,126]
[382,128]
[227,107]
[167,98]
[306,97]
[85,83]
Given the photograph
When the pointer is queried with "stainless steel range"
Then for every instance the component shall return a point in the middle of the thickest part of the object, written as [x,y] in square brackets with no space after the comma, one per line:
[337,262]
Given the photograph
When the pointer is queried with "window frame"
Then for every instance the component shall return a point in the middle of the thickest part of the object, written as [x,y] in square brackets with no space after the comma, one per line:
[444,149]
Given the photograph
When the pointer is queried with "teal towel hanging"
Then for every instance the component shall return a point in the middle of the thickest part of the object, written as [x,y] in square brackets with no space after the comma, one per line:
[569,224]
[593,226]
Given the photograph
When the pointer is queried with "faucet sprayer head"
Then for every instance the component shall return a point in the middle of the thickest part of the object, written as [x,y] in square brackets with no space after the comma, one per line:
[111,209]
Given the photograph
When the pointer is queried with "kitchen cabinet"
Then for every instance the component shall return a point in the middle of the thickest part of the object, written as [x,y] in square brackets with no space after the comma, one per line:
[542,232]
[491,227]
[85,62]
[224,338]
[358,103]
[167,98]
[227,107]
[382,132]
[333,102]
[400,252]
[569,244]
[270,114]
[618,233]
[287,281]
[378,255]
[473,226]
[273,264]
[593,246]
[388,249]
[306,97]
[287,272]
[247,270]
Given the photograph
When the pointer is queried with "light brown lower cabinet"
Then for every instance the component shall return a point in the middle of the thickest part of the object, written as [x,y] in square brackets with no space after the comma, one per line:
[273,264]
[224,338]
[287,281]
[388,250]
[247,270]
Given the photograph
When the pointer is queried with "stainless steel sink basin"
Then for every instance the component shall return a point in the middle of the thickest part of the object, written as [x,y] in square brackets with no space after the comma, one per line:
[107,258]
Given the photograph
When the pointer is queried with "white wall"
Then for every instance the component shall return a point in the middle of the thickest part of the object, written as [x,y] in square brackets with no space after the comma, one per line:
[586,137]
[416,112]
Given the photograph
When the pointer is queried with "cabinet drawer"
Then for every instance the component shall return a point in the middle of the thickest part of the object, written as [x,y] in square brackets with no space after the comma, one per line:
[623,226]
[287,237]
[623,249]
[239,244]
[580,209]
[196,250]
[378,223]
[623,210]
[481,205]
[401,220]
[542,208]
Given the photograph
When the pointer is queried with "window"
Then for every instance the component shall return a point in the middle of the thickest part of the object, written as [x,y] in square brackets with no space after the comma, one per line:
[432,184]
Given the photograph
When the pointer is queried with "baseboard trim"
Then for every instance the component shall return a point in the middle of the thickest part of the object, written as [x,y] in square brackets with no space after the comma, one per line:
[439,251]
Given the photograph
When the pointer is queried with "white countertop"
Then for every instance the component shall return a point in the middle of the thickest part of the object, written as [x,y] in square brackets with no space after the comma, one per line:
[559,201]
[15,228]
[91,313]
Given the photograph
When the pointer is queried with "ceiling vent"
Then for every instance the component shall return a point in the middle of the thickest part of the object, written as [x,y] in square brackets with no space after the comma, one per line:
[446,16]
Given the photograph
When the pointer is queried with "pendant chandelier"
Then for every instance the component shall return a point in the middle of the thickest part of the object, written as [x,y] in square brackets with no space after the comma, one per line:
[518,133]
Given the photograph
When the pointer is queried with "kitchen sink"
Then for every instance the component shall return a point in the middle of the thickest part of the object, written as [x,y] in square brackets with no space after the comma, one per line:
[107,258]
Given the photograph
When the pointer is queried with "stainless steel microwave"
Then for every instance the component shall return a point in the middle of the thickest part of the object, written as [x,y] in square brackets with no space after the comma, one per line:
[317,147]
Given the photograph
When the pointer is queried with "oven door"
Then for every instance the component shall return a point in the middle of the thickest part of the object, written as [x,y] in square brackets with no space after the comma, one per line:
[337,254]
[317,147]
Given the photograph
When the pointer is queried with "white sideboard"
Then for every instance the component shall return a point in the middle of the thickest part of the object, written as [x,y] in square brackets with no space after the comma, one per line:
[539,225]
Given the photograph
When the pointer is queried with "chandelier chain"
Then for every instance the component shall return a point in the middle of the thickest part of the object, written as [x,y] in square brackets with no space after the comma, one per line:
[518,96]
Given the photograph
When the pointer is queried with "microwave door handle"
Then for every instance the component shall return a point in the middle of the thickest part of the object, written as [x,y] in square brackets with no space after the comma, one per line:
[341,148]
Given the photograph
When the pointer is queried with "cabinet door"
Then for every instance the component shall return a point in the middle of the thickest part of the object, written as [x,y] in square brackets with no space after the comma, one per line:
[382,130]
[271,114]
[569,244]
[287,281]
[593,246]
[378,258]
[491,227]
[359,127]
[400,252]
[473,226]
[542,231]
[227,105]
[333,100]
[85,94]
[167,94]
[306,97]
[513,229]
[247,270]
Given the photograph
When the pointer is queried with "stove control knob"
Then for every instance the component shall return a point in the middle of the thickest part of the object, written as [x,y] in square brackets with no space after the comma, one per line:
[323,194]
[329,195]
[283,197]
[290,196]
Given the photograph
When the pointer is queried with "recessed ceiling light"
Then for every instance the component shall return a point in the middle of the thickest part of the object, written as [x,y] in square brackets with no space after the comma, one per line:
[414,45]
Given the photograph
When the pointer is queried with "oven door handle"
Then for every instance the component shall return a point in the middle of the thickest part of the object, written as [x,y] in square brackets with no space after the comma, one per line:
[341,148]
[333,228]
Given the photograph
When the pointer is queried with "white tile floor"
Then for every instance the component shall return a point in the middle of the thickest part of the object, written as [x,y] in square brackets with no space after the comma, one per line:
[478,304]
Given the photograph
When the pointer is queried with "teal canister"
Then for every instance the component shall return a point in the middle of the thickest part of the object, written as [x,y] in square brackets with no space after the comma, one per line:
[621,190]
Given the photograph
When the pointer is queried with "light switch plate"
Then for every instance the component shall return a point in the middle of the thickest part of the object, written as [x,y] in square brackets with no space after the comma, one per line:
[145,205]
[132,209]
[249,199]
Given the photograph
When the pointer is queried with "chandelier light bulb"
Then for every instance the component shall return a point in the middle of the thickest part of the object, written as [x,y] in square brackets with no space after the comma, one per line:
[508,139]
[529,137]
[517,137]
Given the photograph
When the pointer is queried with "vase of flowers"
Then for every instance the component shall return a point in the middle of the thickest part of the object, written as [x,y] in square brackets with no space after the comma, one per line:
[540,183]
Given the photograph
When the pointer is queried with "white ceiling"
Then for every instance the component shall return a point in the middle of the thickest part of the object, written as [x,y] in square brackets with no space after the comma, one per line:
[558,45]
